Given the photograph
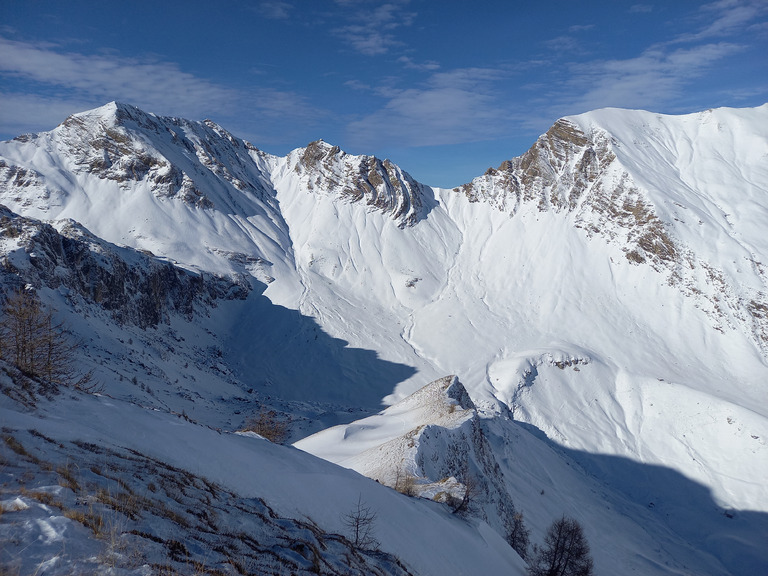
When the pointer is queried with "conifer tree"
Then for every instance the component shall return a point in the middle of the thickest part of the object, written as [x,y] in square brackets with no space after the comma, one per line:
[565,551]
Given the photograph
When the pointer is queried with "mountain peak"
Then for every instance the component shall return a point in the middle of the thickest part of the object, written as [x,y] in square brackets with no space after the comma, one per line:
[113,113]
[382,185]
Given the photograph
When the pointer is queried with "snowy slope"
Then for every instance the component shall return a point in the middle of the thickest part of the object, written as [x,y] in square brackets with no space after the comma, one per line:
[563,323]
[189,191]
[183,459]
[568,292]
[652,521]
[607,288]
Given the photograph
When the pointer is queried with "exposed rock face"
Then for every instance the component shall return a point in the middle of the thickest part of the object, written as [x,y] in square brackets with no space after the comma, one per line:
[464,454]
[572,172]
[379,184]
[568,171]
[26,186]
[133,287]
[174,157]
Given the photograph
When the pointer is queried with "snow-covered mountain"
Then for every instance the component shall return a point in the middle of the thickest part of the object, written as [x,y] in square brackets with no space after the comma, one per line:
[602,300]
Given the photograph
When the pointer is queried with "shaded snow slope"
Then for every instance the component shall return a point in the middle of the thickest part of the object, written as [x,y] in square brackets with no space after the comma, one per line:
[193,343]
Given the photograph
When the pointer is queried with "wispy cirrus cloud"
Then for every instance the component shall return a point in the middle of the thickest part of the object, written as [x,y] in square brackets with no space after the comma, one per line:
[663,72]
[154,84]
[581,28]
[450,107]
[725,18]
[276,10]
[411,64]
[565,44]
[372,26]
[44,84]
[650,80]
[22,113]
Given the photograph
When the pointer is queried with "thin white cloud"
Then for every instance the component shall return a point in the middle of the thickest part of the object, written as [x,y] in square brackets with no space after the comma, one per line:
[158,86]
[372,28]
[46,85]
[564,44]
[358,85]
[664,72]
[25,113]
[428,65]
[726,18]
[275,10]
[452,107]
[580,28]
[641,8]
[650,80]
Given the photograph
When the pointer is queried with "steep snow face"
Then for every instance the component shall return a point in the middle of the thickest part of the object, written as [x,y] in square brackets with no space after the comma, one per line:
[631,177]
[624,313]
[362,268]
[185,190]
[711,197]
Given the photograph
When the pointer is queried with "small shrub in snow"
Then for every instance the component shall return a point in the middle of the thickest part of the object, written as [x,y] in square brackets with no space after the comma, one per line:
[269,425]
[405,483]
[359,521]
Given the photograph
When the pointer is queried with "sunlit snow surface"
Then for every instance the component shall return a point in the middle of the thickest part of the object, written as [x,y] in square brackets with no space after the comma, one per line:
[651,379]
[233,470]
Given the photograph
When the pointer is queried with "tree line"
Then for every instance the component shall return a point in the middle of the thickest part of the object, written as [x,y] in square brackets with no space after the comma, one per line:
[36,344]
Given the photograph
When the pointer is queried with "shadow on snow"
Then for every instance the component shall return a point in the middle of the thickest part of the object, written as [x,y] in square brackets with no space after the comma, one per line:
[285,354]
[659,495]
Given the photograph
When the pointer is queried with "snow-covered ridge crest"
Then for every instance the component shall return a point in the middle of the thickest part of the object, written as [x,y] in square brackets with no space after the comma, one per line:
[567,170]
[122,143]
[635,179]
[377,183]
[434,445]
[388,446]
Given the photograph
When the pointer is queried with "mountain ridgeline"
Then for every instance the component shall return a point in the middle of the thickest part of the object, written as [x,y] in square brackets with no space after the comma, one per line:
[602,301]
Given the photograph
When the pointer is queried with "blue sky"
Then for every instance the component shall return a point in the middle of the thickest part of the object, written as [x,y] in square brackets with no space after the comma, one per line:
[444,89]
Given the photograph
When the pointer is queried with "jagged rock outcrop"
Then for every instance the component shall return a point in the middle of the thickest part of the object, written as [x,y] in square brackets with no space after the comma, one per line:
[133,287]
[379,184]
[568,171]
